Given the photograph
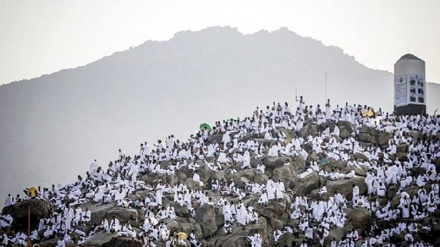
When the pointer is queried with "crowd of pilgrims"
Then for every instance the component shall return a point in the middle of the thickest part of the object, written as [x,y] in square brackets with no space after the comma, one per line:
[315,217]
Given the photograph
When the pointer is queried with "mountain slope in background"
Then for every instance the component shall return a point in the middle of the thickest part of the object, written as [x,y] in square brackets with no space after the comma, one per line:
[57,124]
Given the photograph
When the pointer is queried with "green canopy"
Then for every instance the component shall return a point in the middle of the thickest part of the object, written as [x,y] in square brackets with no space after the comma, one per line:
[205,126]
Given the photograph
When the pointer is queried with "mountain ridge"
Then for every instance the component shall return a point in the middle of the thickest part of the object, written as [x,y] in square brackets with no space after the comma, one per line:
[185,33]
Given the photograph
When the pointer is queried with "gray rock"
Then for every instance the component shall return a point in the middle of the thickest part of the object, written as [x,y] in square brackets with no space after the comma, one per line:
[238,239]
[181,211]
[314,156]
[39,208]
[122,242]
[243,177]
[205,216]
[283,174]
[215,138]
[99,239]
[345,129]
[415,134]
[402,148]
[366,137]
[335,233]
[402,157]
[360,157]
[308,129]
[305,185]
[190,183]
[219,218]
[204,172]
[274,162]
[359,171]
[276,223]
[288,133]
[219,175]
[359,218]
[383,138]
[172,224]
[189,227]
[124,215]
[47,243]
[344,186]
[286,240]
[261,178]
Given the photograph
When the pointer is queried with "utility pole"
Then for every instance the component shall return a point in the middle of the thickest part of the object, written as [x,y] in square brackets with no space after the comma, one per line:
[325,100]
[29,225]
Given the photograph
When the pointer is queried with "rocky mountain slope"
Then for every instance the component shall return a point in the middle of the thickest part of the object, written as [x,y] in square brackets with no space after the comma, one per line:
[290,174]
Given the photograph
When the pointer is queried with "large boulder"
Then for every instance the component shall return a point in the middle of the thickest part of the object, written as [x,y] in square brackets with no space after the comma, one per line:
[345,186]
[416,135]
[153,178]
[107,211]
[264,142]
[261,178]
[98,239]
[336,233]
[243,177]
[402,148]
[283,174]
[191,226]
[305,185]
[218,175]
[299,164]
[286,240]
[367,135]
[181,211]
[383,138]
[289,135]
[360,170]
[215,138]
[125,215]
[359,218]
[373,136]
[360,157]
[51,242]
[98,212]
[204,172]
[346,128]
[190,183]
[237,240]
[38,208]
[274,162]
[206,218]
[308,129]
[122,242]
[274,209]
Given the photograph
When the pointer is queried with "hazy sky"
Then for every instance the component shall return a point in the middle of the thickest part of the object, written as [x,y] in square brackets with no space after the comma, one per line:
[42,37]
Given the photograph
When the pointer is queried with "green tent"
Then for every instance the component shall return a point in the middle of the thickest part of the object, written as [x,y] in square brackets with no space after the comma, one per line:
[205,126]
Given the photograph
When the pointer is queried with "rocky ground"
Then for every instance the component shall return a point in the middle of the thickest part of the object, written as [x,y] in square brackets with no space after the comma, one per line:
[208,221]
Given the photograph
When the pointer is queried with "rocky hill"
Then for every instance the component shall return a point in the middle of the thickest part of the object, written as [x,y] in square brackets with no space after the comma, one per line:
[140,94]
[280,177]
